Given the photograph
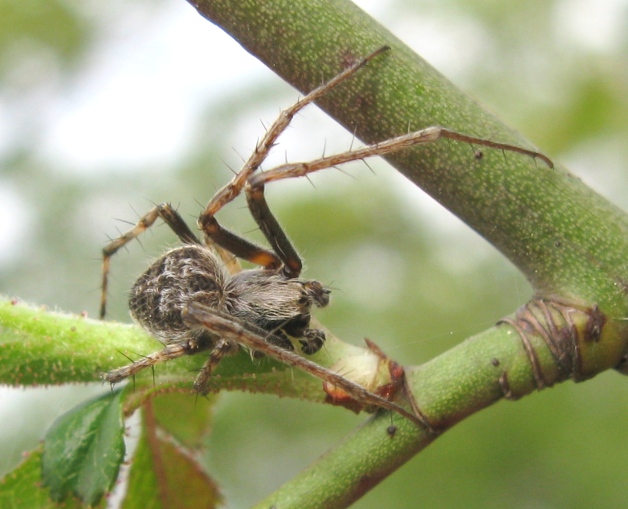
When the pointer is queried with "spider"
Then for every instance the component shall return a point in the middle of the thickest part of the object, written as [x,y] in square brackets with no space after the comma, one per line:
[190,302]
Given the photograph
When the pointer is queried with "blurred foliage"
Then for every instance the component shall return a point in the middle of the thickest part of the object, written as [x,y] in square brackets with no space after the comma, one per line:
[404,272]
[33,29]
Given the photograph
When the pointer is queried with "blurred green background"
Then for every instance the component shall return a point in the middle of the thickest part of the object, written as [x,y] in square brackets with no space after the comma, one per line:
[108,107]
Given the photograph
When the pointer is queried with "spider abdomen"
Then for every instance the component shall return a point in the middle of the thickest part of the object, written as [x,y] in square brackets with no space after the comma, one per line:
[180,276]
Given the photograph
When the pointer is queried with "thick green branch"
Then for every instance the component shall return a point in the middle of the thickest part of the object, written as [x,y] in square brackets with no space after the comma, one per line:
[566,239]
[480,371]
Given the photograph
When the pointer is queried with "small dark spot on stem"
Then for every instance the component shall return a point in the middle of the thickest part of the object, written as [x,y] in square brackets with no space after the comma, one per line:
[595,324]
[391,430]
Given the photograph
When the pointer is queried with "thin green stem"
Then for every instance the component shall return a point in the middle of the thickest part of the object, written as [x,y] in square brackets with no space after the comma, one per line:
[39,347]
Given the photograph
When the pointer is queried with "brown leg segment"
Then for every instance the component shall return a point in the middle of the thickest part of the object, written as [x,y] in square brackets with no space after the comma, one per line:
[170,216]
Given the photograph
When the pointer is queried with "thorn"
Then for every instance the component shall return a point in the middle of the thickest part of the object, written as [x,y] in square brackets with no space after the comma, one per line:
[310,181]
[369,166]
[344,172]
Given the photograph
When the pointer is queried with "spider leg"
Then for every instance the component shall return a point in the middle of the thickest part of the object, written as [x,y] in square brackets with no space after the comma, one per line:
[234,188]
[283,252]
[272,230]
[312,341]
[223,348]
[172,351]
[229,329]
[170,216]
[428,135]
[237,245]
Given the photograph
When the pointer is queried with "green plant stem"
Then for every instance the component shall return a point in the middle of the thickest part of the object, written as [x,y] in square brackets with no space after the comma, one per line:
[468,378]
[40,347]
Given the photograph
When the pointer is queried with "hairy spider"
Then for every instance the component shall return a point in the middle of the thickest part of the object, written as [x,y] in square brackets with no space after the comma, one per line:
[191,303]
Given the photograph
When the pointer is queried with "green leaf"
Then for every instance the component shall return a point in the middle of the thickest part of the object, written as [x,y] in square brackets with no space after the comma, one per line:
[192,431]
[83,450]
[21,489]
[165,475]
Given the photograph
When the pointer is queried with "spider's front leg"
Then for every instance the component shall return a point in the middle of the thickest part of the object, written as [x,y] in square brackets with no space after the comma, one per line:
[273,231]
[230,329]
[382,148]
